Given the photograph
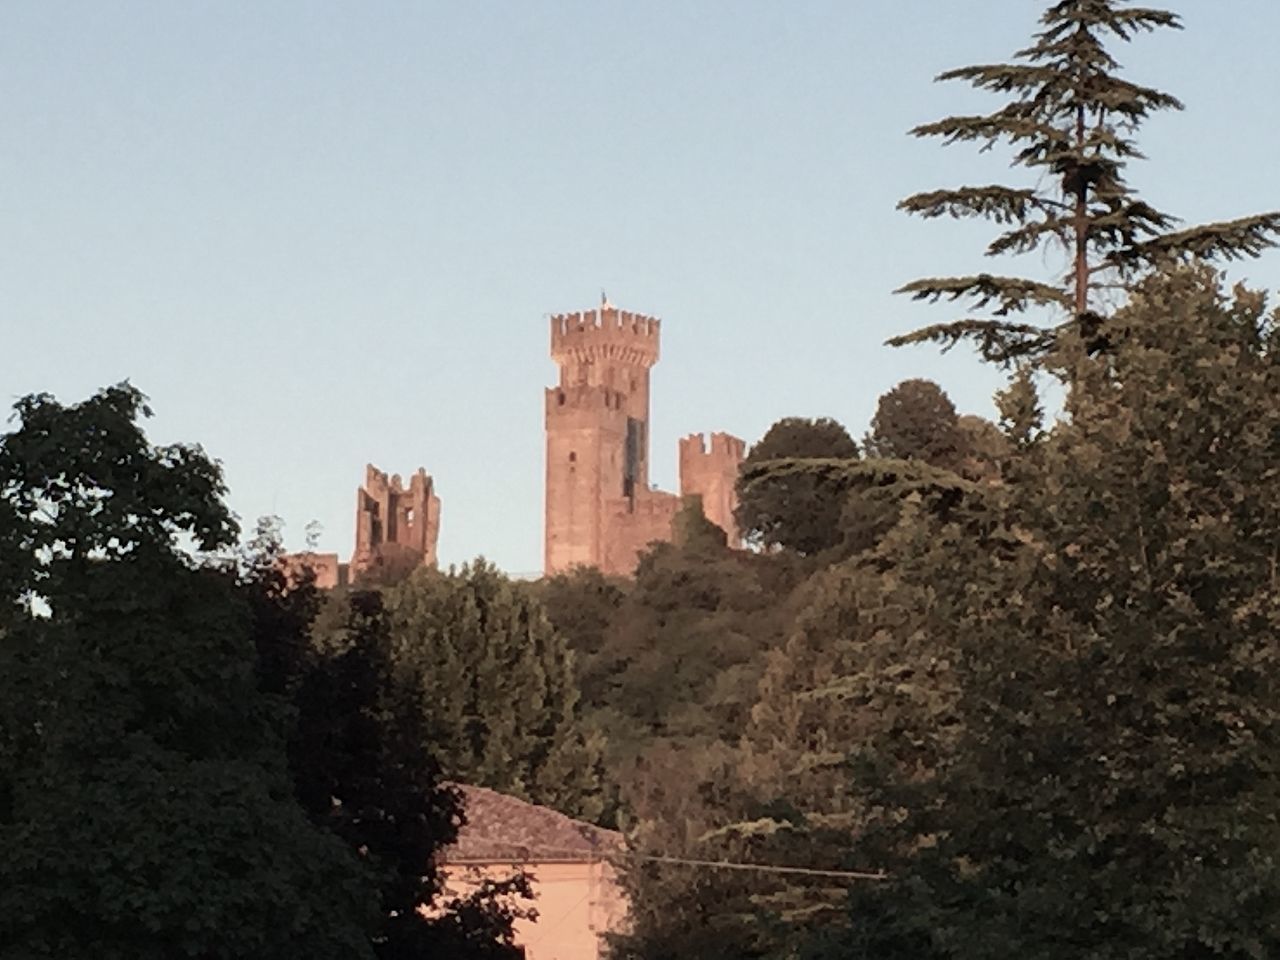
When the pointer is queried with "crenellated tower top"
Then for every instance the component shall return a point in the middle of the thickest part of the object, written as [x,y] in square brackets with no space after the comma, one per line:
[605,337]
[723,448]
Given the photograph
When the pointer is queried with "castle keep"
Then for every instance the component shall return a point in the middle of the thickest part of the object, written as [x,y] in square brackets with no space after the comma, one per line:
[600,509]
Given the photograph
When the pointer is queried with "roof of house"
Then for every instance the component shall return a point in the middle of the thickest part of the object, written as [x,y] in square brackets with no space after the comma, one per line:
[505,829]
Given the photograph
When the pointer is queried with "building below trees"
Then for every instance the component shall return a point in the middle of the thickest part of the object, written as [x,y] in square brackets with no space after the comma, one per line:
[575,899]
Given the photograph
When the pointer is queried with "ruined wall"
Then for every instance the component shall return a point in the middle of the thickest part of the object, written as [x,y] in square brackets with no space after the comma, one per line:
[709,469]
[397,527]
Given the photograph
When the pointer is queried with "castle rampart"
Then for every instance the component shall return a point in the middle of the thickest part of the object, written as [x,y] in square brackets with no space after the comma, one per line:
[606,329]
[324,569]
[633,524]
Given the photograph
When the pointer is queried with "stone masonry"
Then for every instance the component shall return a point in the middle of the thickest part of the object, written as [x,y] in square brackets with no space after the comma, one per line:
[396,530]
[395,526]
[600,508]
[710,470]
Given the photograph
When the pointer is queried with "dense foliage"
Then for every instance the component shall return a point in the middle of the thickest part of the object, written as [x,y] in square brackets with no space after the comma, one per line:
[494,687]
[181,774]
[1113,782]
[1044,704]
[916,420]
[793,510]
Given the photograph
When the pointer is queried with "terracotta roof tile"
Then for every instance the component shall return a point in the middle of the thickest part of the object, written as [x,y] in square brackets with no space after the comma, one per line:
[505,829]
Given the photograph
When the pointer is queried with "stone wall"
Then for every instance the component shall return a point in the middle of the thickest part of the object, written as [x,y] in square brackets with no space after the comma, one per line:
[634,524]
[597,430]
[709,469]
[323,567]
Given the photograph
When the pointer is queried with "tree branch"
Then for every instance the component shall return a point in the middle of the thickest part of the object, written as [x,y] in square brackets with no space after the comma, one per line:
[1011,294]
[996,341]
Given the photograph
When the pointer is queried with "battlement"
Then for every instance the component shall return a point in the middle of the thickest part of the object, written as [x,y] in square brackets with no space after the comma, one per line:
[606,332]
[723,446]
[600,507]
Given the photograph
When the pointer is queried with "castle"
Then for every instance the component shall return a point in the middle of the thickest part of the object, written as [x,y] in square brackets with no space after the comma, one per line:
[600,508]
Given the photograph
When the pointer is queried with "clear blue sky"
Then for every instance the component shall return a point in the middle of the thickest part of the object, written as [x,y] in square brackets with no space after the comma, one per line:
[319,234]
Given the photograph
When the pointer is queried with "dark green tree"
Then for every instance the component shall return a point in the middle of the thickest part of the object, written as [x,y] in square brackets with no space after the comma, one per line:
[692,531]
[363,768]
[986,449]
[496,687]
[687,643]
[1070,121]
[1113,785]
[811,438]
[861,499]
[794,510]
[146,807]
[916,420]
[81,485]
[584,606]
[679,794]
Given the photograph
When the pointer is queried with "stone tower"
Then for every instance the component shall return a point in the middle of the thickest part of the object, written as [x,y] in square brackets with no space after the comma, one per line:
[710,470]
[597,421]
[601,509]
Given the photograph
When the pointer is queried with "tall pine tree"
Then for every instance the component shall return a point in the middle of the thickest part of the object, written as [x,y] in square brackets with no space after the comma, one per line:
[1071,122]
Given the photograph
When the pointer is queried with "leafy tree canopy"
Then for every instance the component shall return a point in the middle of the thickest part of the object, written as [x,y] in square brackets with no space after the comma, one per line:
[146,807]
[496,687]
[81,483]
[916,420]
[1113,647]
[792,511]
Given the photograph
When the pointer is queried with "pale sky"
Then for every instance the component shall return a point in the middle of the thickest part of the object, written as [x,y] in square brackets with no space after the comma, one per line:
[320,234]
